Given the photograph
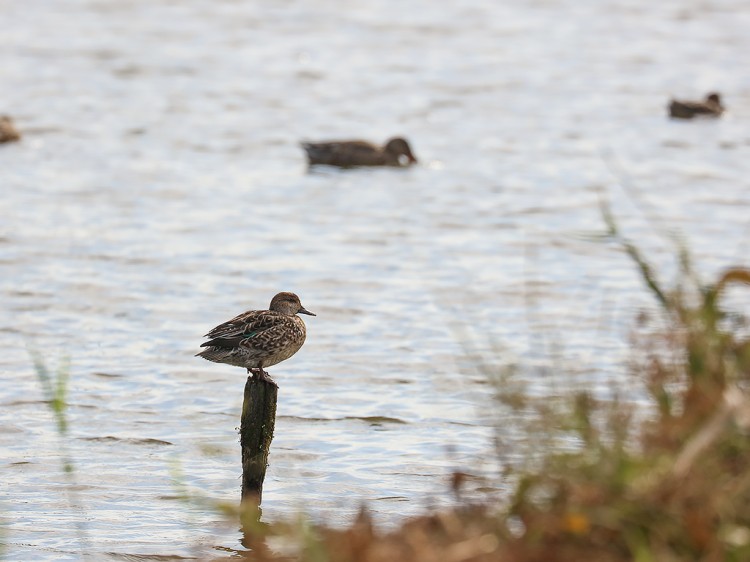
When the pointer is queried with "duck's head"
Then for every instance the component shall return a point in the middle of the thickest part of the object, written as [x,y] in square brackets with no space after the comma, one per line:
[713,97]
[399,147]
[288,303]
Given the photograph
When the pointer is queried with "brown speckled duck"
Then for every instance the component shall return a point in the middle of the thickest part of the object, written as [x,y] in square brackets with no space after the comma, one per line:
[348,154]
[710,107]
[8,131]
[259,338]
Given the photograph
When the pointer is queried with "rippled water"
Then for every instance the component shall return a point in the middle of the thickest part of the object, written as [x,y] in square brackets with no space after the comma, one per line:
[159,190]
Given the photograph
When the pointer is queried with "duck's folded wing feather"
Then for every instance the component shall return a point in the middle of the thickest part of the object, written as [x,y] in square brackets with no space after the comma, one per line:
[275,338]
[245,323]
[340,153]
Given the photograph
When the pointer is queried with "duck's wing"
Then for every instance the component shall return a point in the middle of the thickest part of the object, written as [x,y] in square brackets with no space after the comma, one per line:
[246,325]
[343,153]
[681,109]
[269,342]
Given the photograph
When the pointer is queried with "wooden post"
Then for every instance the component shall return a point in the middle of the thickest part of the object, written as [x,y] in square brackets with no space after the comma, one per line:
[256,433]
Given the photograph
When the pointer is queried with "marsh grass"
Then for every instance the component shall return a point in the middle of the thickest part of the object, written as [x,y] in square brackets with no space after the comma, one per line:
[601,480]
[55,390]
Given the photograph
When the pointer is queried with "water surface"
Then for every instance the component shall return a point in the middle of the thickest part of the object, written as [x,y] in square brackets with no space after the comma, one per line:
[160,190]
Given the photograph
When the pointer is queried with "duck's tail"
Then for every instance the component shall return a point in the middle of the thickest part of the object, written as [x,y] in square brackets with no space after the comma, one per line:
[315,153]
[214,354]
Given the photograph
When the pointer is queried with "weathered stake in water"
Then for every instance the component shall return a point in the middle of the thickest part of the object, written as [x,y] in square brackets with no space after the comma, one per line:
[256,432]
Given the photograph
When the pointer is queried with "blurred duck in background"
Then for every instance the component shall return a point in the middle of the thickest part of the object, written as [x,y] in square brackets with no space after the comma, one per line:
[8,131]
[349,154]
[710,107]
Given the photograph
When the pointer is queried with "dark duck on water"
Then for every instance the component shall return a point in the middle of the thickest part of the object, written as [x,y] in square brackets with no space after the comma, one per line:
[352,153]
[710,107]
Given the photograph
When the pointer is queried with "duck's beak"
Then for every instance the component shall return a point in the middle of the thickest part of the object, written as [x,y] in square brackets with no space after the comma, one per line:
[412,158]
[302,310]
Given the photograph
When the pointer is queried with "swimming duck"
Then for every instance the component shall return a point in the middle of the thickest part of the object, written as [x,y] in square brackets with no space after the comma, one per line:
[8,131]
[259,338]
[710,107]
[348,154]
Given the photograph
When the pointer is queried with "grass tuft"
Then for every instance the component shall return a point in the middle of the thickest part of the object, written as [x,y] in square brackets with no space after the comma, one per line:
[55,390]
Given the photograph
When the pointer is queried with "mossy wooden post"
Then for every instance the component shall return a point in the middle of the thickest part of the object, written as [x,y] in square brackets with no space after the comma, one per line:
[256,433]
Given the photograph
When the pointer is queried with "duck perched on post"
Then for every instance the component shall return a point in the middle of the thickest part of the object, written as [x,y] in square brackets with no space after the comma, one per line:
[710,107]
[349,154]
[259,338]
[8,131]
